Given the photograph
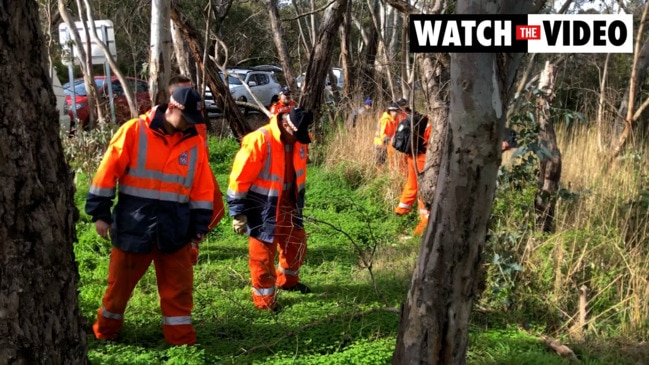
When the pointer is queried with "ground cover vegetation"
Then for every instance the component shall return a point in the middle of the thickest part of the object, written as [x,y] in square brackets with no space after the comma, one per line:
[361,258]
[583,283]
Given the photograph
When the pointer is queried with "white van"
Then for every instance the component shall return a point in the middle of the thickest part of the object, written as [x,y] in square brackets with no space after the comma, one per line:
[64,118]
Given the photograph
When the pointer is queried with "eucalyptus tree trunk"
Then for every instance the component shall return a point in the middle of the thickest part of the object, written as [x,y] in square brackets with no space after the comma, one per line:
[238,124]
[638,73]
[435,77]
[367,74]
[182,57]
[318,67]
[91,87]
[303,37]
[160,55]
[435,318]
[550,167]
[126,88]
[40,321]
[280,44]
[346,62]
[88,79]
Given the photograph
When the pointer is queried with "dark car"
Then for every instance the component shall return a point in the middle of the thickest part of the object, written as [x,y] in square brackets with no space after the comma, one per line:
[122,113]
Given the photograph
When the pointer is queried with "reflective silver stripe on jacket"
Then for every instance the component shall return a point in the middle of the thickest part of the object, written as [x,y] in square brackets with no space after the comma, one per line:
[140,170]
[103,192]
[264,191]
[404,205]
[289,272]
[263,291]
[200,204]
[176,321]
[154,194]
[107,314]
[237,195]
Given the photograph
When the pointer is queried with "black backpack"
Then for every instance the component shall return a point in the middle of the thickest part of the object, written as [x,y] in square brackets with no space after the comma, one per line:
[407,130]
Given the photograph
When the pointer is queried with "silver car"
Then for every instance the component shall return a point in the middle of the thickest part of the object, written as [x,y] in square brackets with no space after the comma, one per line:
[262,84]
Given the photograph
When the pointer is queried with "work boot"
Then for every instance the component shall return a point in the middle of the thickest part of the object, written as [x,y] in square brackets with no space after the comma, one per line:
[303,289]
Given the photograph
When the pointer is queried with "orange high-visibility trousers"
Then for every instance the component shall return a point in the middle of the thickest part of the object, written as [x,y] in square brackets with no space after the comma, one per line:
[409,193]
[292,250]
[174,273]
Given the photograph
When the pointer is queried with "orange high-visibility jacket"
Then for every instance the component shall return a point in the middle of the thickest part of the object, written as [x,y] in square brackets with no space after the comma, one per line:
[280,107]
[257,180]
[165,186]
[385,129]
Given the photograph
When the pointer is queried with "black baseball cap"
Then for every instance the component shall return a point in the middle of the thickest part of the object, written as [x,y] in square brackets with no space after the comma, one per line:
[300,120]
[189,102]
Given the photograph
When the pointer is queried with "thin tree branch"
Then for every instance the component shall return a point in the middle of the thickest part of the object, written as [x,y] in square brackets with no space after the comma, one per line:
[322,8]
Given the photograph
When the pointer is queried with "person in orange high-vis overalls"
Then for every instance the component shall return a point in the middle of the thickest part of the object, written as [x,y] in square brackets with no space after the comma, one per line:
[385,129]
[159,164]
[421,133]
[266,198]
[218,207]
[284,104]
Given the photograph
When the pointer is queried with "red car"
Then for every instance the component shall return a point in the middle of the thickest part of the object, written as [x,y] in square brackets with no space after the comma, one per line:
[122,113]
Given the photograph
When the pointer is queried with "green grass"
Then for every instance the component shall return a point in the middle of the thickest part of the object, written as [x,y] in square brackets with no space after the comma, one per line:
[343,321]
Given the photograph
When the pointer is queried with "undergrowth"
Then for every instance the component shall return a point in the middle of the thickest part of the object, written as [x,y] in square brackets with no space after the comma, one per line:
[359,264]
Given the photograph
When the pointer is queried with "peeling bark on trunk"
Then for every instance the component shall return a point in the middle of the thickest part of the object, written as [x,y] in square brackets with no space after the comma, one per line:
[280,44]
[40,322]
[550,169]
[345,56]
[182,57]
[435,318]
[435,78]
[222,96]
[318,67]
[160,55]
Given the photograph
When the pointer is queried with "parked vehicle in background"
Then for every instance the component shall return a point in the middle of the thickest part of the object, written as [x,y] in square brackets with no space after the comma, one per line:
[122,112]
[64,119]
[338,72]
[262,84]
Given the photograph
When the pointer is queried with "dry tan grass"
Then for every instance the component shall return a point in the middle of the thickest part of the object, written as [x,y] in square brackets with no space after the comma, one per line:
[598,242]
[353,148]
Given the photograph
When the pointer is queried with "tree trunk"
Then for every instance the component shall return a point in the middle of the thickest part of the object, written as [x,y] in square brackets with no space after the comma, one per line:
[346,58]
[40,322]
[182,58]
[160,55]
[435,317]
[638,73]
[550,169]
[367,71]
[280,44]
[91,87]
[435,79]
[318,67]
[126,88]
[222,96]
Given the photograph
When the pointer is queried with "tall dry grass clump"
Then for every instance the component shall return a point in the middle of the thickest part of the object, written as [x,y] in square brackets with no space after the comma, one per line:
[350,150]
[592,273]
